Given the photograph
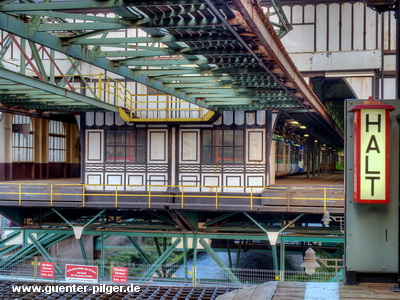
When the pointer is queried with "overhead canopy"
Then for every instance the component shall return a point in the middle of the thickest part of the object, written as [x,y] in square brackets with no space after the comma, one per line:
[221,55]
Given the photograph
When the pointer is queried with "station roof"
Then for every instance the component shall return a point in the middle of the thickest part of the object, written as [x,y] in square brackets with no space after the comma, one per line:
[221,55]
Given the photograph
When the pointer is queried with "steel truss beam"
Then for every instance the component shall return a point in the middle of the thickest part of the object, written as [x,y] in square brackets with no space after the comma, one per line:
[215,44]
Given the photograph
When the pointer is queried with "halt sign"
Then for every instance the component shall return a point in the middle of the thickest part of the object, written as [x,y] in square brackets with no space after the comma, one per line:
[371,153]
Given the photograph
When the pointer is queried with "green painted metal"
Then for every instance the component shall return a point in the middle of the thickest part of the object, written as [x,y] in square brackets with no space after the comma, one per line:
[13,214]
[220,218]
[338,277]
[28,250]
[282,258]
[62,217]
[291,223]
[44,253]
[161,217]
[102,256]
[275,259]
[185,256]
[9,237]
[49,89]
[255,222]
[328,238]
[238,254]
[83,250]
[215,257]
[139,249]
[195,250]
[38,60]
[162,258]
[8,249]
[210,34]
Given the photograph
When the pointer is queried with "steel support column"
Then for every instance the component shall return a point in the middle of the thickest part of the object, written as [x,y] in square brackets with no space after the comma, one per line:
[194,259]
[83,250]
[282,260]
[102,256]
[185,257]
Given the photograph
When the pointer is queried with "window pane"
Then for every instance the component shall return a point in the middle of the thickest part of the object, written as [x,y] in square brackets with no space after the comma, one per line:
[218,138]
[239,138]
[110,140]
[207,155]
[130,154]
[120,137]
[207,138]
[110,154]
[228,138]
[228,155]
[141,137]
[141,154]
[120,154]
[238,155]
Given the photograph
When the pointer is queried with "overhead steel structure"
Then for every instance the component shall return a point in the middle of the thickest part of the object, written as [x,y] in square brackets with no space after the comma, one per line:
[220,55]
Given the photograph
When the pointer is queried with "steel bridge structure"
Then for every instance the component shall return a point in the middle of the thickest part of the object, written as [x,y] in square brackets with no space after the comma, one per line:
[203,58]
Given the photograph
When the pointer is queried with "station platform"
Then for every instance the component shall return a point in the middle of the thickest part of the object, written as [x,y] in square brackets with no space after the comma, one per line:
[292,194]
[331,179]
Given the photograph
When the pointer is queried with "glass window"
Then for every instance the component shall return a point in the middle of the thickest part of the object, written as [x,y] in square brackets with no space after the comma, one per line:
[126,146]
[223,146]
[56,141]
[22,138]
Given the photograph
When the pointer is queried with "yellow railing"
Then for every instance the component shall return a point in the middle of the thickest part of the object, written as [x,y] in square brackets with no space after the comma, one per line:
[138,106]
[147,194]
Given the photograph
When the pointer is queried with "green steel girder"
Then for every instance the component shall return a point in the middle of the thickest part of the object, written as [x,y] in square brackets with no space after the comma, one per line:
[160,260]
[83,250]
[43,252]
[194,16]
[8,249]
[219,218]
[29,250]
[223,266]
[142,253]
[325,238]
[9,237]
[51,89]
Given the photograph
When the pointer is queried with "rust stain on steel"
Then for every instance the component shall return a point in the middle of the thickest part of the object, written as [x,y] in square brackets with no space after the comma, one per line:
[253,14]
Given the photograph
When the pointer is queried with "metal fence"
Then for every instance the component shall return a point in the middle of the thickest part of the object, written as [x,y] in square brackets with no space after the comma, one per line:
[165,274]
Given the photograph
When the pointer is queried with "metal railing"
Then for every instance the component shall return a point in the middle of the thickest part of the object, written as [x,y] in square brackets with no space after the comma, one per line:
[165,274]
[139,106]
[181,196]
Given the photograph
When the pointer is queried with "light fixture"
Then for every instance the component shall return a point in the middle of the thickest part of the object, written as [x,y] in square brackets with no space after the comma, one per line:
[326,219]
[310,262]
[306,135]
[303,127]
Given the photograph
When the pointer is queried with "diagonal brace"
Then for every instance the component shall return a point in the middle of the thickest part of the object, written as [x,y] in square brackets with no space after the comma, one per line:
[160,260]
[224,267]
[43,251]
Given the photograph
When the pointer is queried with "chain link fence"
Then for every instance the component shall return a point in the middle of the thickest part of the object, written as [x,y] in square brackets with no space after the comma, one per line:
[163,274]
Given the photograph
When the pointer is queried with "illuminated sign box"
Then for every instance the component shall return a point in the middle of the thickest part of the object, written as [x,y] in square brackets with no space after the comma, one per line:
[371,152]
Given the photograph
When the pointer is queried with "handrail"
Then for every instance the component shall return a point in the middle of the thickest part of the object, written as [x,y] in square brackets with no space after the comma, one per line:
[112,91]
[251,194]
